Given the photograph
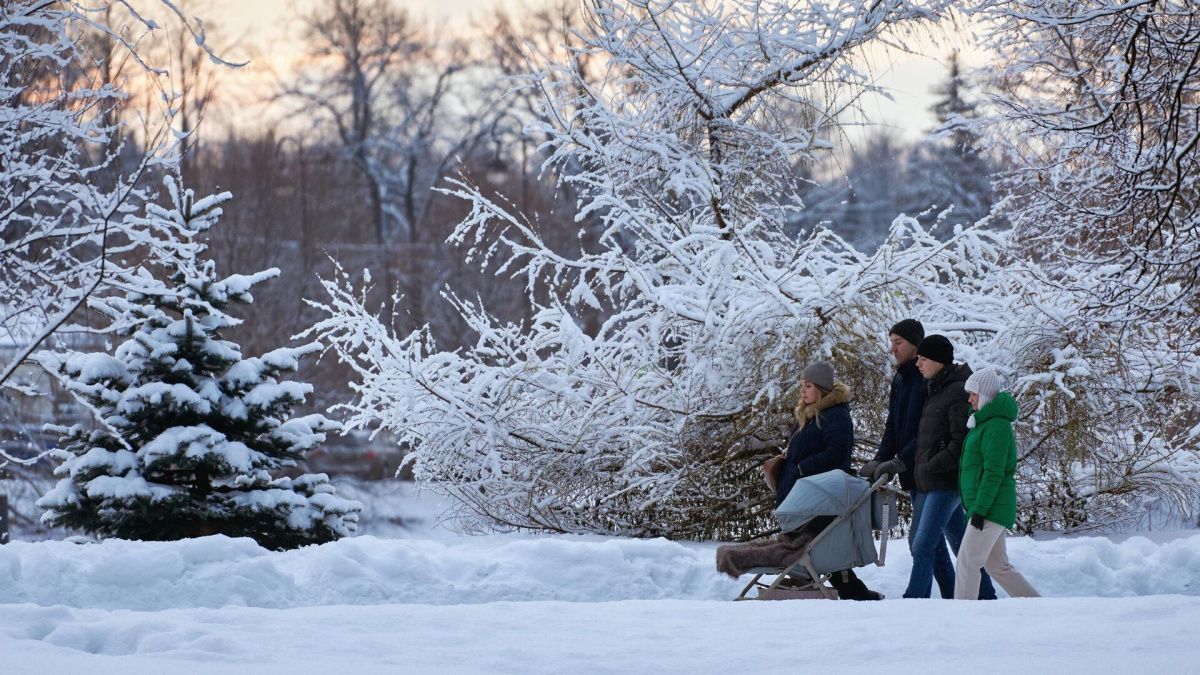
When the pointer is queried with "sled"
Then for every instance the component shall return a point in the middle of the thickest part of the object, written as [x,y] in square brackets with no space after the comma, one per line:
[857,508]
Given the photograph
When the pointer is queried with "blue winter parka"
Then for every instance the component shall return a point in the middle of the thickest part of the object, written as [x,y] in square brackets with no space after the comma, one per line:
[906,400]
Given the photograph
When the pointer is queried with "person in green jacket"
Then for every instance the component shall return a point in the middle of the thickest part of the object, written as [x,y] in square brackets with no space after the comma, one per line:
[986,479]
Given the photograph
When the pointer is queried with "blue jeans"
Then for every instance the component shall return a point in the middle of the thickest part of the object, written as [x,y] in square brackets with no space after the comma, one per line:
[938,516]
[943,568]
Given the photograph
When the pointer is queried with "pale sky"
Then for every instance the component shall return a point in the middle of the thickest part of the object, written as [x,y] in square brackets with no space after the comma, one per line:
[268,32]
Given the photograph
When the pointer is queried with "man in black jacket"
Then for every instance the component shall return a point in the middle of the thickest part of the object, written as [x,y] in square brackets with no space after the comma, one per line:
[898,448]
[940,434]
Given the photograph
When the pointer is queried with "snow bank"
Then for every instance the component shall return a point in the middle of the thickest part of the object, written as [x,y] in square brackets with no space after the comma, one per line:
[219,571]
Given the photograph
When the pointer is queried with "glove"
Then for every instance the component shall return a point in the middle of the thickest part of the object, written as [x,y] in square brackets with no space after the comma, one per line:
[977,522]
[893,466]
[868,469]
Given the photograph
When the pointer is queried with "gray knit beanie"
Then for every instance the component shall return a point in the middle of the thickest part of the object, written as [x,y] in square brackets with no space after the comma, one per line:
[819,373]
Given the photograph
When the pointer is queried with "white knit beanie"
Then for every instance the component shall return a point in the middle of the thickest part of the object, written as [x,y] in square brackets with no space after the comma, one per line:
[986,383]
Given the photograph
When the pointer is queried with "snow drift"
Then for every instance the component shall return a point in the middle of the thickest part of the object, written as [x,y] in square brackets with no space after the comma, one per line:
[219,571]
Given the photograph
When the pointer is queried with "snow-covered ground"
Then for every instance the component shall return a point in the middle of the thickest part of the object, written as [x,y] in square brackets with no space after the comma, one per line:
[525,604]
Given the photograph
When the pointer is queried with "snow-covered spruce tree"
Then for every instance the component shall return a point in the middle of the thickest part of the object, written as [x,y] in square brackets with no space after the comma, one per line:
[187,429]
[950,168]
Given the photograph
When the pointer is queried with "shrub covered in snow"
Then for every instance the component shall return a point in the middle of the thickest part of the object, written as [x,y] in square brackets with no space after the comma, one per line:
[657,422]
[188,430]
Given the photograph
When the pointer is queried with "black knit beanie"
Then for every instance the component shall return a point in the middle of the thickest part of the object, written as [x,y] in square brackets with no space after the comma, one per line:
[910,330]
[936,348]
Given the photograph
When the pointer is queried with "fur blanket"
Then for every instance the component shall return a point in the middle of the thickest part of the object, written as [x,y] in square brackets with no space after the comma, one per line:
[780,552]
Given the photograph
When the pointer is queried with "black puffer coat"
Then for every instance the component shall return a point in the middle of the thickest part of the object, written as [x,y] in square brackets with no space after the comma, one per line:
[942,429]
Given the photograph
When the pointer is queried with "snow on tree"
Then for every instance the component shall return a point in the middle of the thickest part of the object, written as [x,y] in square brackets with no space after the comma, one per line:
[657,422]
[1099,108]
[688,167]
[1098,113]
[71,168]
[188,430]
[949,168]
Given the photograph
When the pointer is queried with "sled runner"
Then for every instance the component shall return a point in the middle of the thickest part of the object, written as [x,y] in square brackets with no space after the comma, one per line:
[826,524]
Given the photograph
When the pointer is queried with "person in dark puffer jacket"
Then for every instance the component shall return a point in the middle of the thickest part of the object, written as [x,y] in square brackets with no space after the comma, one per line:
[823,442]
[940,435]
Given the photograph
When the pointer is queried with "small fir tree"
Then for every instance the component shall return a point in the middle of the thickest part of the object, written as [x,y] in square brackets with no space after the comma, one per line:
[188,431]
[949,168]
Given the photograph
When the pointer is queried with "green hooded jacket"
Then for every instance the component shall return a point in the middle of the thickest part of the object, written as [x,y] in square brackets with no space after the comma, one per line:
[987,471]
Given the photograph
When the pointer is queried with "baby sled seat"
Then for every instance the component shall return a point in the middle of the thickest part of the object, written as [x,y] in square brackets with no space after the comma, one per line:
[851,510]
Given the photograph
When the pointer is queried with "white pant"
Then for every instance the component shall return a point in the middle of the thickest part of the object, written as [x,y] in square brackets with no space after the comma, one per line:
[985,548]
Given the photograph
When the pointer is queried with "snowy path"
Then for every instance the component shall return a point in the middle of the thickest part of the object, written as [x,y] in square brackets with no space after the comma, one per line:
[569,604]
[1059,635]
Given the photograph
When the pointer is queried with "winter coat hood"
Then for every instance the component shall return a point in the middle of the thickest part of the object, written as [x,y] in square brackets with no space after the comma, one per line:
[839,394]
[1002,406]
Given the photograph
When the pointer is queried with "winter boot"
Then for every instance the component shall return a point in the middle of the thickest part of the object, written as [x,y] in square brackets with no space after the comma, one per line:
[850,587]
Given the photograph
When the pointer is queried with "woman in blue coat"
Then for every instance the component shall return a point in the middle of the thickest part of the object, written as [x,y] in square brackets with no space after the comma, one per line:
[822,442]
[824,438]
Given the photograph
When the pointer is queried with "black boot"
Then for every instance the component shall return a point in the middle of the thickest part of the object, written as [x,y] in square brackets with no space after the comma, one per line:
[850,587]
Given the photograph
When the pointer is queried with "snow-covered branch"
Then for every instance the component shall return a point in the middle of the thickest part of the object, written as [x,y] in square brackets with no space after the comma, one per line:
[72,171]
[1099,109]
